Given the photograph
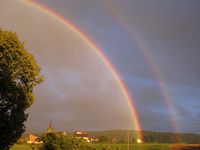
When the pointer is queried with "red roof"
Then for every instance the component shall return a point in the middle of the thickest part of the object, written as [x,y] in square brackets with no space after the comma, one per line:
[81,134]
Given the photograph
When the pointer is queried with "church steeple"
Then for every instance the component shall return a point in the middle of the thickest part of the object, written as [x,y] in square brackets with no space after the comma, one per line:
[50,128]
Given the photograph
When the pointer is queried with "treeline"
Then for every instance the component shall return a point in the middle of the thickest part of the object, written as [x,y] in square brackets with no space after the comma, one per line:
[121,136]
[167,137]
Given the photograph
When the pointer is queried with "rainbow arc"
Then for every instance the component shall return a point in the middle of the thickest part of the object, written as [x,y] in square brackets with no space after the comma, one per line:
[69,26]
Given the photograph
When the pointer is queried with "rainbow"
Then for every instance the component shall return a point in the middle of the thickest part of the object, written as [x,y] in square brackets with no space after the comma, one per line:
[152,64]
[99,53]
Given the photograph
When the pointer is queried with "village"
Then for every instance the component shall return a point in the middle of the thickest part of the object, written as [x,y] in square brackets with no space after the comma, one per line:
[36,139]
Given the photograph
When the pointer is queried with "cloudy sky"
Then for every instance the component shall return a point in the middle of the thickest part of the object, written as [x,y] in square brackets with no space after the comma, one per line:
[154,45]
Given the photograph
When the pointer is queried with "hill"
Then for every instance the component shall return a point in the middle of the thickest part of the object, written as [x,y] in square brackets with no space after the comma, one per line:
[120,136]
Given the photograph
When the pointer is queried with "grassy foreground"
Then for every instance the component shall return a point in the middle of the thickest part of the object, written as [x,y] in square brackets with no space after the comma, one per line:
[111,146]
[21,147]
[131,147]
[134,146]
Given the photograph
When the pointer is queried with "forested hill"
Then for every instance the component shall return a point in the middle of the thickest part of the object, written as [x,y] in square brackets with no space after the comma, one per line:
[120,136]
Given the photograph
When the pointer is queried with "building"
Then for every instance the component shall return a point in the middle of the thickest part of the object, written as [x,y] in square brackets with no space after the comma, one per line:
[139,141]
[50,128]
[58,133]
[93,139]
[30,139]
[82,135]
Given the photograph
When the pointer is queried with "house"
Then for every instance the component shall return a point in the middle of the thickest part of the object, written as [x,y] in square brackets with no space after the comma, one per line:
[139,141]
[93,139]
[82,135]
[30,139]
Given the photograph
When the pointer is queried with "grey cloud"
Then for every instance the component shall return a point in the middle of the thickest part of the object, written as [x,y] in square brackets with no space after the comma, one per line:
[157,121]
[169,30]
[182,112]
[79,89]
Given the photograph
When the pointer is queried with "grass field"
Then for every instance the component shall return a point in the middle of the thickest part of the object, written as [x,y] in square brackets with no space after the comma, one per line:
[185,147]
[134,146]
[21,147]
[112,147]
[124,147]
[24,147]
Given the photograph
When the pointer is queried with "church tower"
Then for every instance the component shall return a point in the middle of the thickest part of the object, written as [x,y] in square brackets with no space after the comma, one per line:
[50,128]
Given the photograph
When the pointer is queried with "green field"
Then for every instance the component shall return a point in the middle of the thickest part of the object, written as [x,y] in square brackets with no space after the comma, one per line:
[134,146]
[113,147]
[21,147]
[124,146]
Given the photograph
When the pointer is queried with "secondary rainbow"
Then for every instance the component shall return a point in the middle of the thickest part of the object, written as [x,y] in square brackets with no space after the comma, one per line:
[87,40]
[152,64]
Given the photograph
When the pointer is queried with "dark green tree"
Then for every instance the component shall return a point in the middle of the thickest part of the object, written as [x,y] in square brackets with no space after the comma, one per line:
[19,74]
[103,139]
[50,142]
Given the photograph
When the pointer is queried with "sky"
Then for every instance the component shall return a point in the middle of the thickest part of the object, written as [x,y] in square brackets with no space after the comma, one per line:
[154,46]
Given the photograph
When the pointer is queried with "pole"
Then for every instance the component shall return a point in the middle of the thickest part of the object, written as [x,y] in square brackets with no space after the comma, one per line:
[127,139]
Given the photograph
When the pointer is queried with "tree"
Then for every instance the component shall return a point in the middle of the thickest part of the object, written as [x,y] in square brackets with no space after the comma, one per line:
[50,142]
[64,142]
[19,74]
[103,139]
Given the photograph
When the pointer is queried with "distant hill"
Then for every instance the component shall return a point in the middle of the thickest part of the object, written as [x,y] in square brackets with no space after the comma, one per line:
[120,136]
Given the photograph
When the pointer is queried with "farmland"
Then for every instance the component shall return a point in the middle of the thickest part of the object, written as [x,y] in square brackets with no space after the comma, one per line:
[21,147]
[133,146]
[124,147]
[111,147]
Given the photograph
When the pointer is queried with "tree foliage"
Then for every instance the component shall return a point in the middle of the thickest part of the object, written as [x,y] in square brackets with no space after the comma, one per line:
[103,139]
[19,74]
[64,142]
[50,142]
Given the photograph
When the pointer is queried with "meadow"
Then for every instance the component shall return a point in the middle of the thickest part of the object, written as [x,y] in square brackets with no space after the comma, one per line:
[111,146]
[21,147]
[133,146]
[124,147]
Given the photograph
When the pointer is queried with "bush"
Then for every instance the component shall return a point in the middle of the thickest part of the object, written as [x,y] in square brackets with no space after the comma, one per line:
[64,142]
